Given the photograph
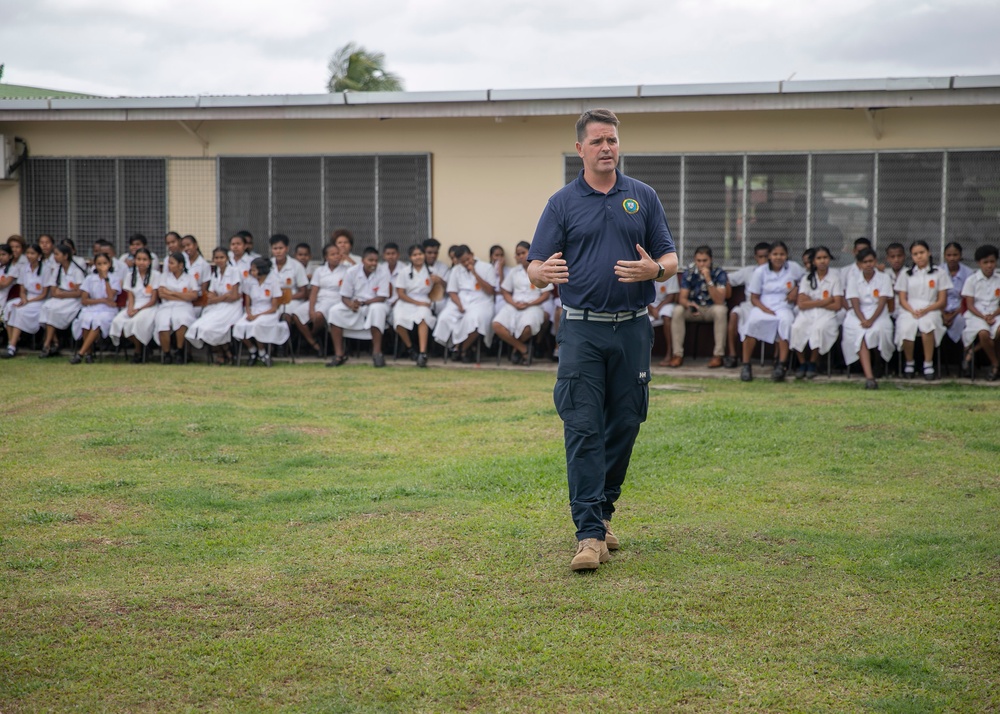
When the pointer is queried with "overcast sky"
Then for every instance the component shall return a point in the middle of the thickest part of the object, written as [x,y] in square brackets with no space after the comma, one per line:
[190,47]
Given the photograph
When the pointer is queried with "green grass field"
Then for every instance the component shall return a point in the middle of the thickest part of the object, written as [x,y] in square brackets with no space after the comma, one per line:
[352,540]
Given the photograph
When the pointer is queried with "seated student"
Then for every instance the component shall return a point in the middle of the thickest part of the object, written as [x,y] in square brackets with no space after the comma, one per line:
[362,306]
[260,325]
[18,246]
[703,292]
[498,259]
[344,240]
[951,316]
[108,248]
[21,315]
[522,315]
[173,242]
[738,315]
[469,312]
[177,291]
[292,278]
[138,318]
[303,254]
[135,242]
[196,263]
[239,258]
[895,261]
[981,292]
[922,292]
[8,275]
[851,271]
[438,269]
[63,303]
[816,326]
[49,264]
[100,305]
[413,308]
[324,292]
[773,289]
[392,264]
[223,308]
[661,312]
[867,325]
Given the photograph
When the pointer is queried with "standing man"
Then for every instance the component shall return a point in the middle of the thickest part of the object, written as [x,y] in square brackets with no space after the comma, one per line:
[596,239]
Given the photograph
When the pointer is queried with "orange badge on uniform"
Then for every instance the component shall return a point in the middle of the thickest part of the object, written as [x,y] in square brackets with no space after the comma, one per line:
[826,294]
[875,293]
[184,290]
[996,292]
[246,273]
[477,286]
[38,286]
[789,285]
[228,286]
[73,286]
[149,289]
[197,276]
[932,283]
[427,281]
[288,281]
[267,293]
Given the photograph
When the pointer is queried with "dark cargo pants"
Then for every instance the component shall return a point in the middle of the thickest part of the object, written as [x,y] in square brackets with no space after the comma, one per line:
[601,394]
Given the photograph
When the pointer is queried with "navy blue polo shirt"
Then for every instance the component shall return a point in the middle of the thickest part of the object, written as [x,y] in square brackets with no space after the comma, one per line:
[594,231]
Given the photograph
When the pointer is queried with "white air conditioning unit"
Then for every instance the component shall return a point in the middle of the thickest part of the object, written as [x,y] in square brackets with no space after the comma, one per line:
[7,156]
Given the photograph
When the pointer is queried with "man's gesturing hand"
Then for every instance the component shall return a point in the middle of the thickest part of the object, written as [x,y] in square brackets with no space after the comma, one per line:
[553,270]
[637,271]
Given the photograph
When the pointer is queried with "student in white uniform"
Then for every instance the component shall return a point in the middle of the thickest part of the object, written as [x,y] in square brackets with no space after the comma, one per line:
[108,248]
[292,279]
[260,326]
[8,275]
[18,247]
[849,273]
[498,259]
[324,292]
[138,318]
[895,262]
[867,325]
[99,298]
[954,320]
[982,301]
[816,326]
[136,242]
[662,311]
[413,308]
[344,240]
[922,292]
[738,315]
[438,269]
[22,313]
[196,263]
[239,257]
[303,254]
[773,289]
[173,242]
[63,303]
[49,265]
[177,291]
[392,265]
[223,308]
[362,306]
[470,310]
[522,315]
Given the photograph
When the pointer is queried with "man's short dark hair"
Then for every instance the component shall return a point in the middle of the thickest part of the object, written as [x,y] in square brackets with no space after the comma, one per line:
[390,246]
[762,246]
[591,116]
[986,251]
[369,250]
[300,246]
[280,238]
[862,241]
[431,243]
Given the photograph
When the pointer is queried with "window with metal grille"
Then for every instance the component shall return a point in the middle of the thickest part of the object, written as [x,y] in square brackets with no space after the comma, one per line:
[378,198]
[92,198]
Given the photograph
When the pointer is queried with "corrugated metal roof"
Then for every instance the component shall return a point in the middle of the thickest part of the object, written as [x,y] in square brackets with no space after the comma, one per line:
[20,91]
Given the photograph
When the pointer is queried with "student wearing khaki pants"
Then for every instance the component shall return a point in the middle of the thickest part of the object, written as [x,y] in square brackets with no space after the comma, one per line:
[704,289]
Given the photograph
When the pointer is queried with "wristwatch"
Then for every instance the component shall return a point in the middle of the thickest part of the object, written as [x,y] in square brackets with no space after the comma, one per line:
[660,274]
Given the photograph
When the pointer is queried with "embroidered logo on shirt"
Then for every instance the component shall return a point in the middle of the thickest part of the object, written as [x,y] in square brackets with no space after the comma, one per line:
[789,285]
[427,281]
[932,283]
[826,294]
[267,293]
[875,293]
[246,273]
[631,206]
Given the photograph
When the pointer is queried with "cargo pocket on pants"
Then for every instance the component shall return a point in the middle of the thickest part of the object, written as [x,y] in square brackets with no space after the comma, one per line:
[642,396]
[562,395]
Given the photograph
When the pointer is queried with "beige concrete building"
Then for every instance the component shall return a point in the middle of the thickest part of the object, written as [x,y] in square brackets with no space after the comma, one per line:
[807,162]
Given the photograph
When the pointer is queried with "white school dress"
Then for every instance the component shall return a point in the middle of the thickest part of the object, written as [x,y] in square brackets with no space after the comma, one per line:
[9,271]
[26,317]
[664,290]
[773,288]
[268,329]
[817,327]
[60,312]
[417,284]
[215,325]
[444,272]
[97,317]
[292,277]
[359,286]
[955,301]
[328,283]
[393,277]
[921,288]
[242,265]
[142,323]
[879,335]
[985,293]
[516,282]
[172,315]
[478,316]
[201,269]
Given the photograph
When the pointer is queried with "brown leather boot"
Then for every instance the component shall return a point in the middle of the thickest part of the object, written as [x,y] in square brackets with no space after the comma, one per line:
[590,553]
[610,539]
[677,361]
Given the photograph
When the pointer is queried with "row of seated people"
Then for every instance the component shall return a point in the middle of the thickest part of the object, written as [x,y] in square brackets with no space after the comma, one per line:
[243,296]
[866,306]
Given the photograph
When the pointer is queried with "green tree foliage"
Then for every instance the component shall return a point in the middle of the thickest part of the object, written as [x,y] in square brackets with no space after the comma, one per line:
[353,68]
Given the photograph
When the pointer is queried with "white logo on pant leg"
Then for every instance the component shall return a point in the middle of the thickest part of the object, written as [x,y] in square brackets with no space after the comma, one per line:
[642,375]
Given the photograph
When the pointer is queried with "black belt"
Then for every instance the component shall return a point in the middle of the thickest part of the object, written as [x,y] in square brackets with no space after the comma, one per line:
[572,313]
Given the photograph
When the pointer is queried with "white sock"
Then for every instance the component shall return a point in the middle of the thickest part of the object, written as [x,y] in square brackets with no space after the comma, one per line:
[928,366]
[253,350]
[909,366]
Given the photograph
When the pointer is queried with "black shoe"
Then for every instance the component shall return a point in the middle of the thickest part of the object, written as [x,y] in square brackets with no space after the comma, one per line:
[811,370]
[8,353]
[137,358]
[909,374]
[516,357]
[89,359]
[179,357]
[967,363]
[422,359]
[871,384]
[44,353]
[378,359]
[252,359]
[778,375]
[801,372]
[407,353]
[468,357]
[76,359]
[929,375]
[746,374]
[994,375]
[729,362]
[165,358]
[265,359]
[337,361]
